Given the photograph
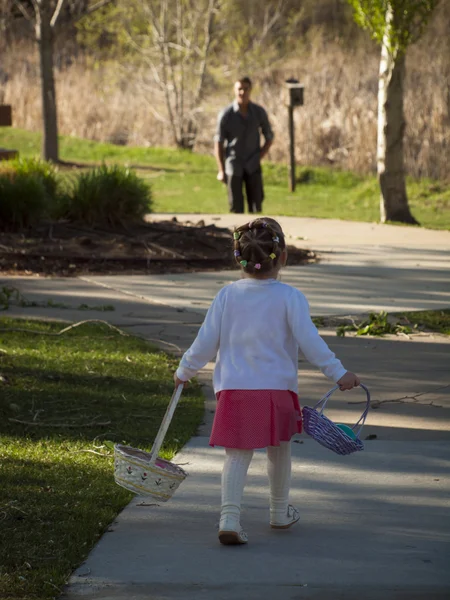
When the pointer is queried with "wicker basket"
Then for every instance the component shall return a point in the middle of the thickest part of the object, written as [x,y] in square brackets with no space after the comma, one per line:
[135,471]
[143,472]
[327,433]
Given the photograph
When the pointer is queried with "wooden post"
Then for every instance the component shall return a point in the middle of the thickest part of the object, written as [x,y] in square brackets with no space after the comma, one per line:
[6,121]
[294,98]
[5,115]
[291,149]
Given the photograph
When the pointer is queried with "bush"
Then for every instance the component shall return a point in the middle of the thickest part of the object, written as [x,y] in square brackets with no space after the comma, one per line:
[45,171]
[108,195]
[29,191]
[23,200]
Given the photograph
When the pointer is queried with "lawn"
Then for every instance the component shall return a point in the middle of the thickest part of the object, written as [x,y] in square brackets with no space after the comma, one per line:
[429,320]
[185,182]
[78,393]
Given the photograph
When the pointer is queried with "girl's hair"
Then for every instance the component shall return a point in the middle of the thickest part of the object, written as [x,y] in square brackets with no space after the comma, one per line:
[258,246]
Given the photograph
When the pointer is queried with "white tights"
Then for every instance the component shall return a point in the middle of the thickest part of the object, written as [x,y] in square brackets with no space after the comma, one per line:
[234,476]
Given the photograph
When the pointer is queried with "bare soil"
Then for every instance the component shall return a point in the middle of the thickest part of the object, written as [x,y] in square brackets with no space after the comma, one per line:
[68,249]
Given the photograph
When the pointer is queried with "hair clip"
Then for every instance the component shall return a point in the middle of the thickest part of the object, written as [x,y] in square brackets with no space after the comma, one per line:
[264,224]
[237,253]
[250,224]
[273,255]
[257,266]
[236,235]
[243,263]
[276,239]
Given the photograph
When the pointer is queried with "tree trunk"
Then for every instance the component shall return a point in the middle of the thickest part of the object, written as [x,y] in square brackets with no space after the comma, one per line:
[391,129]
[44,36]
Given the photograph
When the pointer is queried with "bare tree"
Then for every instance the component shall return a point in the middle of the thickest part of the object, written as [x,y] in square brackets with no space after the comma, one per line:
[46,16]
[176,47]
[395,24]
[5,15]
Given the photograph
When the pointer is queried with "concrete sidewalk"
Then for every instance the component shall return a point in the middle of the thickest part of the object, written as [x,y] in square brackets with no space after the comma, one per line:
[363,267]
[409,379]
[375,524]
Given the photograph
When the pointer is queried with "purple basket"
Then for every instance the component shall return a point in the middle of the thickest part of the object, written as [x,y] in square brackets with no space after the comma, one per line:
[327,433]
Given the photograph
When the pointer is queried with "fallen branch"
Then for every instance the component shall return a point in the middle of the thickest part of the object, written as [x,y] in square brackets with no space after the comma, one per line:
[54,586]
[161,342]
[91,452]
[64,425]
[376,403]
[66,329]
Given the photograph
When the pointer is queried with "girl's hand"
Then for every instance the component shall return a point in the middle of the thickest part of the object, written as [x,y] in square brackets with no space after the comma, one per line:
[178,381]
[348,381]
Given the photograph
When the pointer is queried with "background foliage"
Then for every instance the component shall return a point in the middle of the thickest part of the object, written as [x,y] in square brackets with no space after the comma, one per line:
[107,90]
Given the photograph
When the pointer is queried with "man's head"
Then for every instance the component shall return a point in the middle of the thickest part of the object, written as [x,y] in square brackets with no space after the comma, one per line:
[242,90]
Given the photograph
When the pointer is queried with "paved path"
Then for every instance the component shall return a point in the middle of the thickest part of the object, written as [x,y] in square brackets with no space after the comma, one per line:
[374,525]
[363,267]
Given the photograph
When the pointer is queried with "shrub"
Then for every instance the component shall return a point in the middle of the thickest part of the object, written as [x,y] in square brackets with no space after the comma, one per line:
[29,191]
[42,170]
[108,195]
[23,200]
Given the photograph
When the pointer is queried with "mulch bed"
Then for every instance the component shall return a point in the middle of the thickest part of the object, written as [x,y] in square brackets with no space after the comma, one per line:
[68,249]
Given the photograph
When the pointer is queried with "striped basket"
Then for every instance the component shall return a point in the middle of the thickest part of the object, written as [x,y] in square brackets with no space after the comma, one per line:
[135,471]
[327,433]
[144,473]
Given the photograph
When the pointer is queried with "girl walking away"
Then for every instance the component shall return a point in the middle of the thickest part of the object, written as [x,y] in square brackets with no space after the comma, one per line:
[255,327]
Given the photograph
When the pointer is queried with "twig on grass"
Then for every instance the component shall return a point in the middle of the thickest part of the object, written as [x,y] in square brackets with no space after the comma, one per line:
[19,509]
[162,342]
[36,414]
[66,329]
[53,585]
[145,416]
[91,452]
[63,425]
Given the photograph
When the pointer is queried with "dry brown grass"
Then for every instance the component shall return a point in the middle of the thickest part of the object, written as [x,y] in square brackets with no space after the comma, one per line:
[337,125]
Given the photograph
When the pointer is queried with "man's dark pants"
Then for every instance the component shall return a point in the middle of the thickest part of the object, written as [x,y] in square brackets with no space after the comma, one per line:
[253,189]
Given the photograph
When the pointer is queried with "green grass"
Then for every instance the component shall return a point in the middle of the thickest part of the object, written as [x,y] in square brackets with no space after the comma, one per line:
[57,496]
[430,320]
[185,182]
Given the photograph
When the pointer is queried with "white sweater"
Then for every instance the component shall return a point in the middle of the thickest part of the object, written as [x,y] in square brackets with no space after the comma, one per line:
[256,327]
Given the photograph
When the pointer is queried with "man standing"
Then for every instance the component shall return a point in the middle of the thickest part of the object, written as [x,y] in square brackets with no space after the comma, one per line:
[237,148]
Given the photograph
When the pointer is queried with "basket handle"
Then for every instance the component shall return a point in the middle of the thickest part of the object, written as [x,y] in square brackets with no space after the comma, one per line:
[165,423]
[362,419]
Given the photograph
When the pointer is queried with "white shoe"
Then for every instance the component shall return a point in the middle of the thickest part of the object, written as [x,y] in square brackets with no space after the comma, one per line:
[285,521]
[231,533]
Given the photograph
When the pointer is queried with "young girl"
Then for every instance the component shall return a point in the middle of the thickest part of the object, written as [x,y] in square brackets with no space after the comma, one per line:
[256,326]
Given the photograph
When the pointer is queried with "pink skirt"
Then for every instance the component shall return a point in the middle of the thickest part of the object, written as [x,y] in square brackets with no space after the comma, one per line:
[248,419]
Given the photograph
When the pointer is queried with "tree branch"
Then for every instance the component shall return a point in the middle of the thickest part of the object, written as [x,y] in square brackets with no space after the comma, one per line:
[57,13]
[97,6]
[206,46]
[166,63]
[91,9]
[23,10]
